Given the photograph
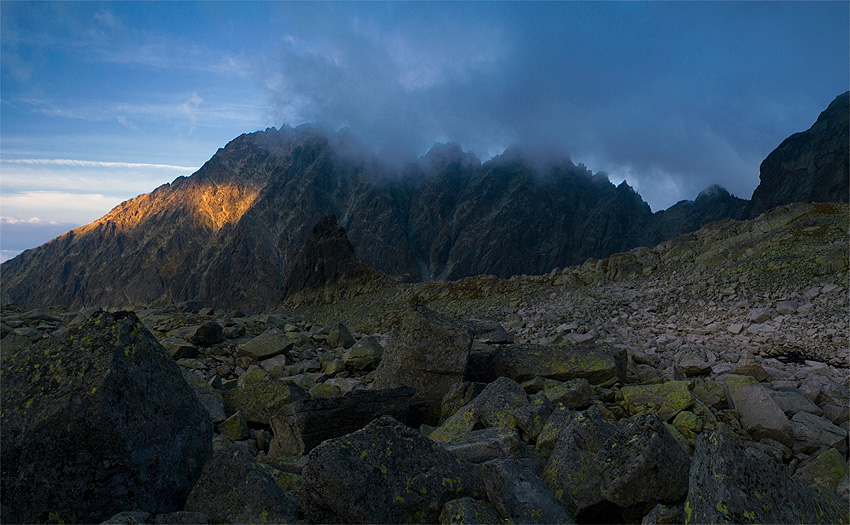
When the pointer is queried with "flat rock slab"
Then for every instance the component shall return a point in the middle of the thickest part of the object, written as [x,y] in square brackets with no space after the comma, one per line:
[730,485]
[596,363]
[270,343]
[761,417]
[385,473]
[95,421]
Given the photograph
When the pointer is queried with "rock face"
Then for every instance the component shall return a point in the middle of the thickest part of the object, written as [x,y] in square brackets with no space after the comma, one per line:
[98,419]
[445,217]
[811,166]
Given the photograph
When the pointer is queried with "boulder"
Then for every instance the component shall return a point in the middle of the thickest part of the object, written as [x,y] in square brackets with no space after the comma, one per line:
[340,337]
[207,396]
[665,399]
[385,473]
[642,463]
[428,352]
[828,468]
[234,428]
[761,417]
[270,343]
[597,363]
[457,397]
[813,433]
[300,426]
[234,488]
[730,485]
[469,511]
[575,394]
[207,334]
[494,406]
[791,400]
[258,397]
[364,355]
[95,420]
[551,431]
[519,495]
[571,473]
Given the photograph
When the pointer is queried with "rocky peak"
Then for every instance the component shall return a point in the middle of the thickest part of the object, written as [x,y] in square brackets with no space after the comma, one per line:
[327,265]
[811,166]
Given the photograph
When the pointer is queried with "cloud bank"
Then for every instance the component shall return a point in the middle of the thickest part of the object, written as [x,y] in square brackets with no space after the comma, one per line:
[672,97]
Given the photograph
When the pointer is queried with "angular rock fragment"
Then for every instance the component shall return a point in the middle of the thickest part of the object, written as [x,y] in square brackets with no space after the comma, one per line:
[642,463]
[596,363]
[760,415]
[665,399]
[270,343]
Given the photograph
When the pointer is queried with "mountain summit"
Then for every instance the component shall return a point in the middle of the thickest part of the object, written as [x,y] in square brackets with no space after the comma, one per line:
[230,235]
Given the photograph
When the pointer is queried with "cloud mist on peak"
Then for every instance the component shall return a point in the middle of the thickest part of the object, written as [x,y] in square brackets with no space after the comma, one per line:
[644,92]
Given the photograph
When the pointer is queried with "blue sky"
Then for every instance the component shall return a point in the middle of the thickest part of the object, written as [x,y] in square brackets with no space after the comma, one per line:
[100,102]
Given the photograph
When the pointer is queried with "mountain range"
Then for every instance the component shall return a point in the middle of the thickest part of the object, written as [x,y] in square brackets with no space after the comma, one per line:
[230,234]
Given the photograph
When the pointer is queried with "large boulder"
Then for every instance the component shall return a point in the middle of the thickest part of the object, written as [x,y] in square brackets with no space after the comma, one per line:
[268,344]
[728,484]
[665,399]
[234,488]
[642,463]
[609,470]
[385,473]
[96,420]
[597,363]
[302,425]
[428,352]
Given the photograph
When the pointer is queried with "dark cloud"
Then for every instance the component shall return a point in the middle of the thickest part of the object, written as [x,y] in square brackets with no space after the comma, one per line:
[673,97]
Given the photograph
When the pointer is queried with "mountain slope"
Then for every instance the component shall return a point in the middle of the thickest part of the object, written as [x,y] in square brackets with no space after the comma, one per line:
[810,166]
[230,234]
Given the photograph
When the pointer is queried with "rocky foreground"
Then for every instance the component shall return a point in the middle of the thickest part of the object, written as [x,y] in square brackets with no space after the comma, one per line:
[701,381]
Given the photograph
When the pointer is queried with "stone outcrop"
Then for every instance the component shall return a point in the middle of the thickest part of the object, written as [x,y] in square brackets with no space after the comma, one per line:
[810,166]
[97,419]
